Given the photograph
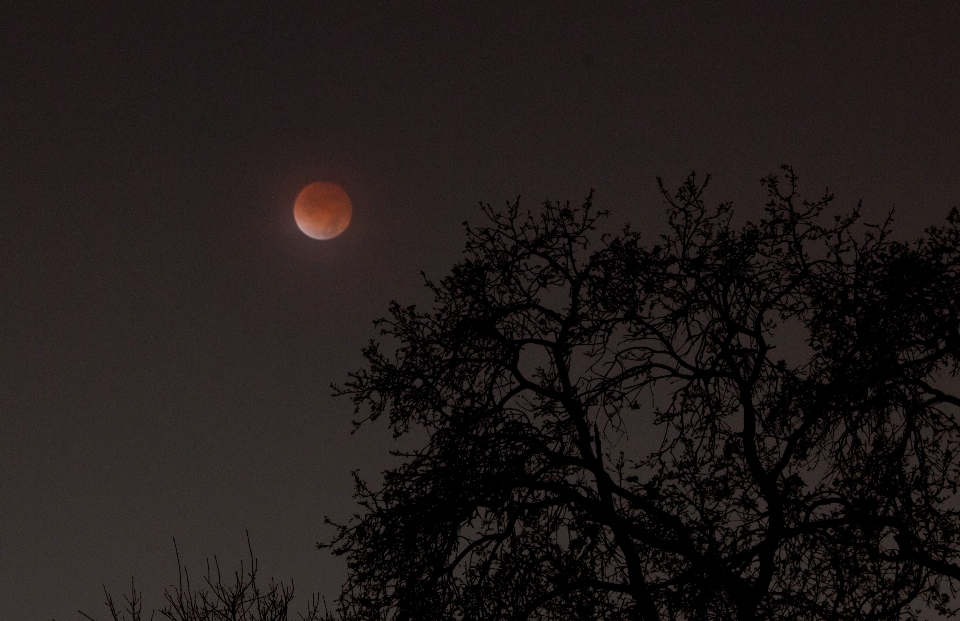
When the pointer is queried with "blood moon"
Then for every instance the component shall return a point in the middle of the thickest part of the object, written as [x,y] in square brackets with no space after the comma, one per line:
[322,210]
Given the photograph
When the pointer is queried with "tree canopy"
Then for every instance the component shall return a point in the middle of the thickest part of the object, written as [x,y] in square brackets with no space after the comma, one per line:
[240,597]
[754,421]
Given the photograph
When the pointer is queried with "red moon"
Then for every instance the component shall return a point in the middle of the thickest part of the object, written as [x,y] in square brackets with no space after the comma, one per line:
[322,210]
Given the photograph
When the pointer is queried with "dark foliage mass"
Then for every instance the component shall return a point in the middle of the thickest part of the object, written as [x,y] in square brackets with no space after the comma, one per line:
[735,422]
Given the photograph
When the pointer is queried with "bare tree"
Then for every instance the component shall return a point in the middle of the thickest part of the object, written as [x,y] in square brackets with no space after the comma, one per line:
[241,599]
[622,430]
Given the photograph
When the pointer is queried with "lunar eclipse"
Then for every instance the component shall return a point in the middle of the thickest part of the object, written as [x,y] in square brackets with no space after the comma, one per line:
[322,210]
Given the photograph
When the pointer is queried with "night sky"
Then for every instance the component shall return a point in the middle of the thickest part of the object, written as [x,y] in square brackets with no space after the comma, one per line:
[168,336]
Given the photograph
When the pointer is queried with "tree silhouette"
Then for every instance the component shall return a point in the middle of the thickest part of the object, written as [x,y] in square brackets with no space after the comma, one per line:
[737,422]
[243,598]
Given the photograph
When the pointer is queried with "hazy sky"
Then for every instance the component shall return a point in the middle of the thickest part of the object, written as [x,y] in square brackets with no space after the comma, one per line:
[168,336]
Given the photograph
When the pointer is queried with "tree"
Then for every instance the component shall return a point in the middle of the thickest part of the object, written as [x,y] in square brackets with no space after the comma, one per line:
[620,430]
[240,599]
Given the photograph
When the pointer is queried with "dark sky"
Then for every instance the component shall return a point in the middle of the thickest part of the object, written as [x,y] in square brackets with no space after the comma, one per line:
[167,335]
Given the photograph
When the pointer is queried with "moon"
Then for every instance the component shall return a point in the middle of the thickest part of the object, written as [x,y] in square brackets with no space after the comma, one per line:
[322,210]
